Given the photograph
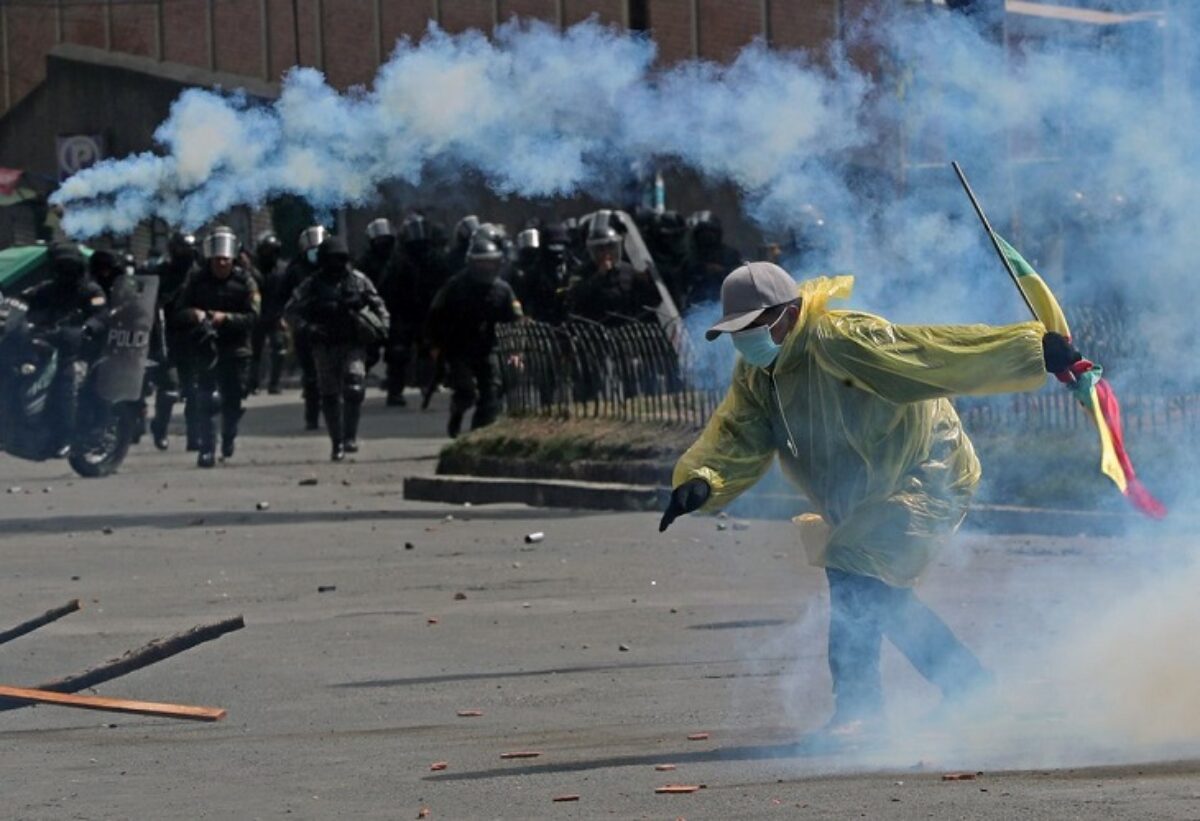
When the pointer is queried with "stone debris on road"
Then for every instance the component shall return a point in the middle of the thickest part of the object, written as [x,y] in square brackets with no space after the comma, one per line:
[568,797]
[469,713]
[534,538]
[521,754]
[678,789]
[960,776]
[664,768]
[698,737]
[438,766]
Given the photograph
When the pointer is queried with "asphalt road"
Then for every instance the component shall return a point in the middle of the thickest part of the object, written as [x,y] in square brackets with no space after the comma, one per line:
[602,647]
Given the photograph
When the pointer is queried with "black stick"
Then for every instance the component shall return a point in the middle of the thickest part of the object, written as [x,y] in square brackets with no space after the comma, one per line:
[41,621]
[148,654]
[962,178]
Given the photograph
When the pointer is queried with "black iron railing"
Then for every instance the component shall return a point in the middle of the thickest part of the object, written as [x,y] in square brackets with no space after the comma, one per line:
[637,371]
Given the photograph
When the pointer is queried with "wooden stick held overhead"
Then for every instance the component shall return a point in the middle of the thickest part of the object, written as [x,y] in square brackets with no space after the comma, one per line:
[148,654]
[113,705]
[41,621]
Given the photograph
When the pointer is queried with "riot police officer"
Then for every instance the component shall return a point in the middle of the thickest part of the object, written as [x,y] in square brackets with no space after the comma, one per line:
[462,327]
[608,289]
[300,269]
[456,257]
[341,313]
[173,378]
[541,275]
[269,335]
[62,307]
[221,306]
[381,244]
[709,259]
[417,273]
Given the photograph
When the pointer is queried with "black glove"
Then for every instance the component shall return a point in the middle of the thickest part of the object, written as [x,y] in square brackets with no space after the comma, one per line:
[689,496]
[1058,352]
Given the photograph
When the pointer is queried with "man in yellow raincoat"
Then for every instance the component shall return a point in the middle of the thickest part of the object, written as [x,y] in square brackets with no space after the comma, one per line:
[858,411]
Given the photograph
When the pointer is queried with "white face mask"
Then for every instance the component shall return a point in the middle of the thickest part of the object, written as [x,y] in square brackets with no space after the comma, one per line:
[756,344]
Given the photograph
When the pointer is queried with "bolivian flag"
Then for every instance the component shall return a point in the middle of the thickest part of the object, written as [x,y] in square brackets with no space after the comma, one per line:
[1085,380]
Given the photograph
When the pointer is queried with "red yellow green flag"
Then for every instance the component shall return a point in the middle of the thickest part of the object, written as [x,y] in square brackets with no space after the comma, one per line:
[1085,381]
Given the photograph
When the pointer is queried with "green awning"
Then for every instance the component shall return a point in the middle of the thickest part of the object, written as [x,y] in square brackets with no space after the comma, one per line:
[22,265]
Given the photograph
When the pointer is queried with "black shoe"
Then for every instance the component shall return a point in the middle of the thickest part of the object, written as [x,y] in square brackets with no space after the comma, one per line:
[227,448]
[351,446]
[160,441]
[454,425]
[205,459]
[338,453]
[312,424]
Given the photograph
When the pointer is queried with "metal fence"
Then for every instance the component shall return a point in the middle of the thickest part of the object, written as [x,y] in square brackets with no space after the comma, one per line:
[637,372]
[643,372]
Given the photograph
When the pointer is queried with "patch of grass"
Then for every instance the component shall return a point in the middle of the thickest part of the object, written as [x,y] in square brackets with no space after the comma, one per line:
[569,440]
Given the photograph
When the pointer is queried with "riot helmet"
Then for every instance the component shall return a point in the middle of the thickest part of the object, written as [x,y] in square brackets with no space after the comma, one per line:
[221,242]
[529,244]
[484,257]
[66,261]
[267,248]
[181,247]
[706,229]
[104,268]
[465,230]
[604,240]
[333,256]
[310,239]
[381,235]
[415,229]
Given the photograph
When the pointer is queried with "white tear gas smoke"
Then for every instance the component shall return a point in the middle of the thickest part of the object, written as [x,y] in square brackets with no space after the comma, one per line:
[525,111]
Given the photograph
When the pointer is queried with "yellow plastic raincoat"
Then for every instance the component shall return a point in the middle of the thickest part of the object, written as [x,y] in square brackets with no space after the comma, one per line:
[857,409]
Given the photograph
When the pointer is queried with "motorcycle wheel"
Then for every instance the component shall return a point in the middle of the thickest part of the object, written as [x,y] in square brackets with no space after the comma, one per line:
[102,452]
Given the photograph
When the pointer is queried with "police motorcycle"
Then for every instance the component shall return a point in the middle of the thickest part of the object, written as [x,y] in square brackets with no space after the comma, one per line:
[113,350]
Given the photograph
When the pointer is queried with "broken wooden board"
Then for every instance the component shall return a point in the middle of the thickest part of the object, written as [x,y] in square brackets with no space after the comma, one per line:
[112,705]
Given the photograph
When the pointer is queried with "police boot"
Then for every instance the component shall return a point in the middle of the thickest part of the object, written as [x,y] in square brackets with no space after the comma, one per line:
[275,375]
[204,438]
[229,431]
[191,419]
[335,422]
[353,412]
[312,410]
[455,424]
[163,406]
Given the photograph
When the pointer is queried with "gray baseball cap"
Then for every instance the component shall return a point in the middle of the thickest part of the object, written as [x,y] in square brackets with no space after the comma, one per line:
[750,290]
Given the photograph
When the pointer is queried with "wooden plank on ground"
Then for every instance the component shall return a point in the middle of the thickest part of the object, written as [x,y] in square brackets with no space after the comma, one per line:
[112,705]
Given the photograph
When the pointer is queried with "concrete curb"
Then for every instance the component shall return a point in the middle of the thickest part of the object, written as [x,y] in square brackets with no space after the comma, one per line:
[609,496]
[482,490]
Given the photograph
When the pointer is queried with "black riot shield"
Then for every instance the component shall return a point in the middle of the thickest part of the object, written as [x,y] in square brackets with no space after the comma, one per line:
[130,318]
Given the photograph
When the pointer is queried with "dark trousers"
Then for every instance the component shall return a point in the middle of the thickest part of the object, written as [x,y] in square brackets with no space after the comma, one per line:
[308,379]
[862,611]
[228,378]
[268,338]
[342,379]
[473,383]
